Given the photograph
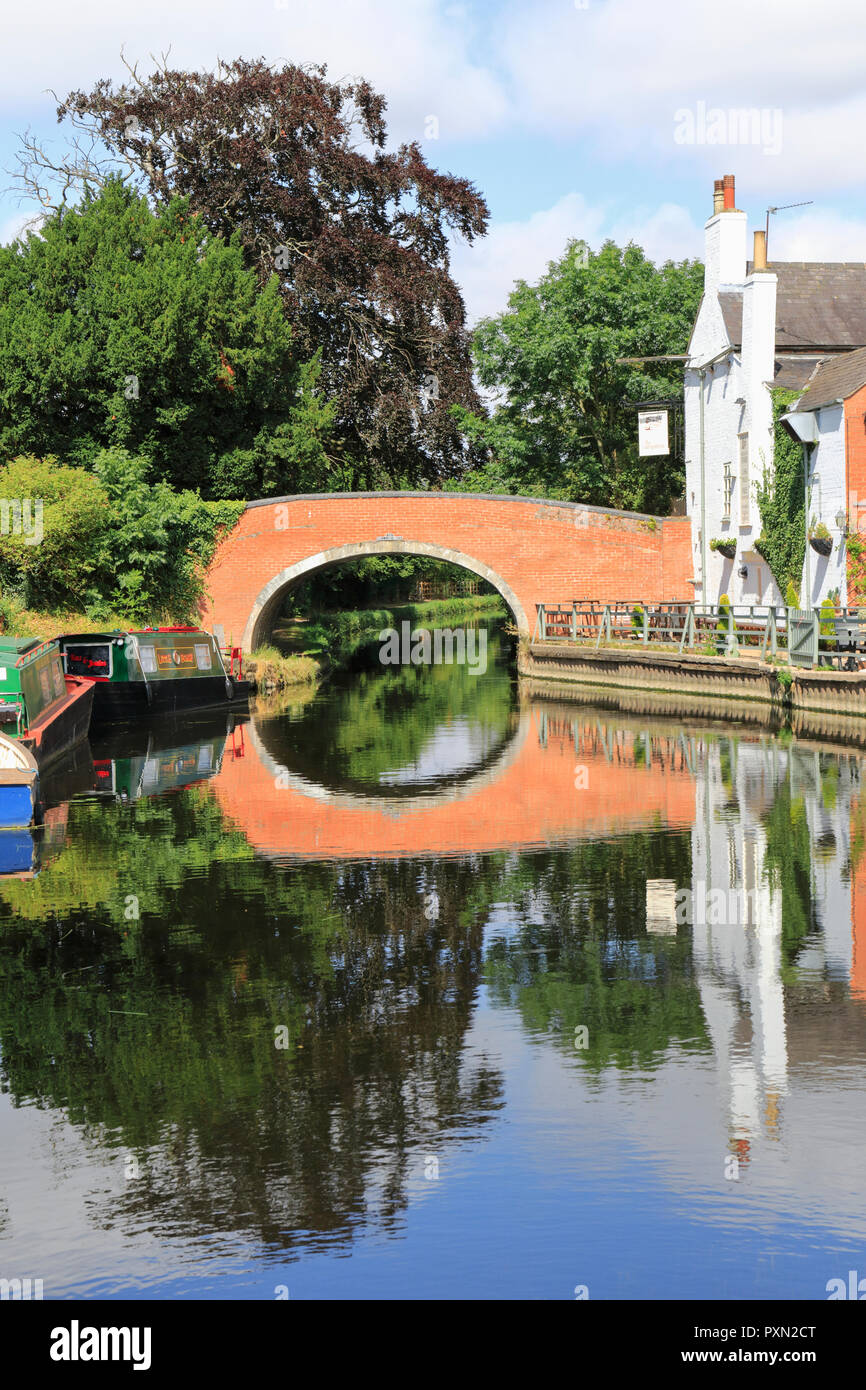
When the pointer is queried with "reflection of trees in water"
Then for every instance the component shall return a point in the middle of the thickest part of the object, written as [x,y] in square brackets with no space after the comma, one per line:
[581,955]
[162,1040]
[382,721]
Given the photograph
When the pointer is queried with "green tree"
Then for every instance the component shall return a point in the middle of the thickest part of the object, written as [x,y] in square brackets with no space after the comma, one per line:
[121,327]
[112,541]
[357,234]
[562,425]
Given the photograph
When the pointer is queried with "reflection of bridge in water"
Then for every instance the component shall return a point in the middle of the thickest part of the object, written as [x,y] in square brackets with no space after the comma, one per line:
[561,776]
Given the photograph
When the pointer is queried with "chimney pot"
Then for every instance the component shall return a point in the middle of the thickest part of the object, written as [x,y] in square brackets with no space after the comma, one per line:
[718,196]
[730,201]
[760,256]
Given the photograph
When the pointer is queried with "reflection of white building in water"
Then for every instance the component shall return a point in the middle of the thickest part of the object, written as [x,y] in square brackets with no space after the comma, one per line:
[737,909]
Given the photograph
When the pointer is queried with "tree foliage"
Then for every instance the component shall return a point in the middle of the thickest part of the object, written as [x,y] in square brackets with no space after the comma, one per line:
[121,327]
[561,425]
[297,168]
[114,541]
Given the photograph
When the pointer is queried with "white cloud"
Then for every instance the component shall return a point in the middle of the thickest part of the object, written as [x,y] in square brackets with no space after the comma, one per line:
[487,271]
[614,73]
[618,72]
[14,226]
[415,51]
[816,236]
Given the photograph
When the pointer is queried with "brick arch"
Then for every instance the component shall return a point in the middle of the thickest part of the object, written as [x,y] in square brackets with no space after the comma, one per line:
[268,601]
[532,550]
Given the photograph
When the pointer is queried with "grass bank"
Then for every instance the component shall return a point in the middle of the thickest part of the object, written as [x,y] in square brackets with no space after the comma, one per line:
[333,638]
[18,621]
[273,670]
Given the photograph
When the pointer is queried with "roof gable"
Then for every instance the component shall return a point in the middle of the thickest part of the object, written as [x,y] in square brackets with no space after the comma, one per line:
[835,380]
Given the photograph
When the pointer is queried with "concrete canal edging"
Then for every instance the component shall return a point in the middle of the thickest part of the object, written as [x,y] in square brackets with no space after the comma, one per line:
[729,679]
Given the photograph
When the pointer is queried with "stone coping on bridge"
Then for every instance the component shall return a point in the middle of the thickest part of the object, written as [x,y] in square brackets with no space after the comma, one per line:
[457,497]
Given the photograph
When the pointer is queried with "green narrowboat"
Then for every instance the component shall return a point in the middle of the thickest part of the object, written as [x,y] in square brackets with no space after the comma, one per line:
[44,708]
[160,670]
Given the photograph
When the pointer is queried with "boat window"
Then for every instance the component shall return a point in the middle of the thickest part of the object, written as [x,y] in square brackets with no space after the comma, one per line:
[92,659]
[59,682]
[45,682]
[203,657]
[148,659]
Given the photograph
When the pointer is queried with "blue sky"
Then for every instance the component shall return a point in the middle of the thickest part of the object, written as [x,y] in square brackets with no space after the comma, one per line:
[604,118]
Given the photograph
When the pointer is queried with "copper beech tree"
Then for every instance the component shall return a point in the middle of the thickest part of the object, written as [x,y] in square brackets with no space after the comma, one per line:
[359,235]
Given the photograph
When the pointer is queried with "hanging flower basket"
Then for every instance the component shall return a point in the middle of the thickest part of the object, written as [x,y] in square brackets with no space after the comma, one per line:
[725,547]
[822,544]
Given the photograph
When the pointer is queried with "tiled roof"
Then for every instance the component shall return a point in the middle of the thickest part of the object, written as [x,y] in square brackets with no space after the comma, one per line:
[819,304]
[793,373]
[835,380]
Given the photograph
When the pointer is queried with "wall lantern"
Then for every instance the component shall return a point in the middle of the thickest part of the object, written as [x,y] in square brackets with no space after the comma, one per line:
[842,522]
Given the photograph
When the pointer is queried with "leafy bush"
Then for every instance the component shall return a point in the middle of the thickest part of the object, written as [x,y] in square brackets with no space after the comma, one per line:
[723,625]
[828,616]
[62,567]
[113,540]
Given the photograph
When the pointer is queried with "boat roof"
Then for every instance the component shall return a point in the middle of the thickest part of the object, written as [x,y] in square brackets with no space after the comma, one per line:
[19,645]
[125,632]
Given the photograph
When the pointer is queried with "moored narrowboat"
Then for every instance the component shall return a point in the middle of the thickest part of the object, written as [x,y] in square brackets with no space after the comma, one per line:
[151,671]
[45,710]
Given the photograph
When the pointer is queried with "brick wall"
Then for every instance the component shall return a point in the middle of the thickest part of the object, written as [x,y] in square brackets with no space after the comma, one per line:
[543,551]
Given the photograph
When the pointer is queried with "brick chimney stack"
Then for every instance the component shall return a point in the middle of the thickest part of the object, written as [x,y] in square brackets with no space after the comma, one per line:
[725,238]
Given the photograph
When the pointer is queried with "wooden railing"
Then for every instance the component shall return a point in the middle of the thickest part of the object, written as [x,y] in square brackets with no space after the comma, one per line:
[809,637]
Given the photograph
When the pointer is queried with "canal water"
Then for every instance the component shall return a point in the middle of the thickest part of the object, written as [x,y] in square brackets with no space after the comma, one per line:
[429,986]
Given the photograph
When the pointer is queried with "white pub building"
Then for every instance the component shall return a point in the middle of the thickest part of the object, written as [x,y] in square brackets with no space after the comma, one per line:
[794,325]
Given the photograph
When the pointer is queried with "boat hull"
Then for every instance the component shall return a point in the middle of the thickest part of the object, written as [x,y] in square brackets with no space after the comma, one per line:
[134,700]
[63,725]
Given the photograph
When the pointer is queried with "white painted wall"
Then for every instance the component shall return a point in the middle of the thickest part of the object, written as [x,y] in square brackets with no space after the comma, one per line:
[737,401]
[725,250]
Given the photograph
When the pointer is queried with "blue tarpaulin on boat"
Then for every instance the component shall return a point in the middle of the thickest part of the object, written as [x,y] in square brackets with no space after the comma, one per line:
[17,804]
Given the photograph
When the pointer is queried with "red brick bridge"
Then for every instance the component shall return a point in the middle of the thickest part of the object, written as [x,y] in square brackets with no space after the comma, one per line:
[531,550]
